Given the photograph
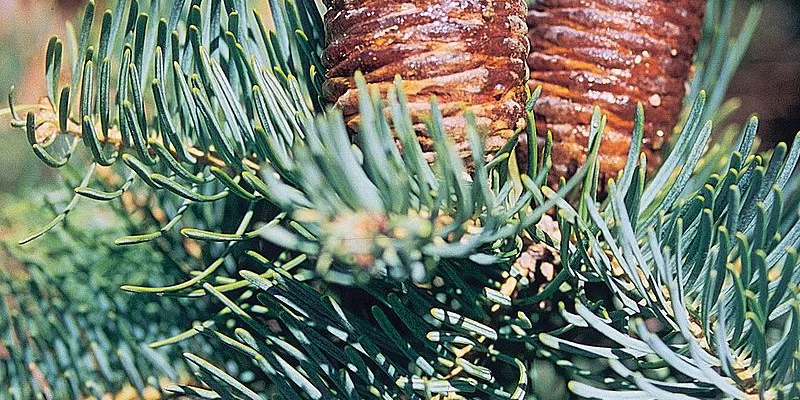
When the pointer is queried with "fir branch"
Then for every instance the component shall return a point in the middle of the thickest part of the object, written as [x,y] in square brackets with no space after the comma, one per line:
[222,120]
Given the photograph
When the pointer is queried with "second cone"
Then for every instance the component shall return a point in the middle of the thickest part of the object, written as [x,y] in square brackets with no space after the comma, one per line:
[613,54]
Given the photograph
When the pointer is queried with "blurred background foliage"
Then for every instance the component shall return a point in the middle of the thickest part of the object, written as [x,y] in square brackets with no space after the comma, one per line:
[768,82]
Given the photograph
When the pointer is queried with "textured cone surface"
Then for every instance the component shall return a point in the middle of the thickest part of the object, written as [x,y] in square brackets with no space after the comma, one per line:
[469,54]
[613,54]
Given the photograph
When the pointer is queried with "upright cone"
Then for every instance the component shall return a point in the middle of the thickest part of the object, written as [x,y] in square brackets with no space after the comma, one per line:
[614,54]
[469,54]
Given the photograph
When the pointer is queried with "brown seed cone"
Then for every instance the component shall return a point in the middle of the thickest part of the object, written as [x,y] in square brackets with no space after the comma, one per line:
[613,54]
[470,54]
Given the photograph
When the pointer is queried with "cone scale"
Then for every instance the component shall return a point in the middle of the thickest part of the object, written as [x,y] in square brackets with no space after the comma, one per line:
[469,54]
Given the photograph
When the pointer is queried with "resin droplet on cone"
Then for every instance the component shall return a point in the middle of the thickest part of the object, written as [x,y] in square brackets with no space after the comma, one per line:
[613,54]
[468,53]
